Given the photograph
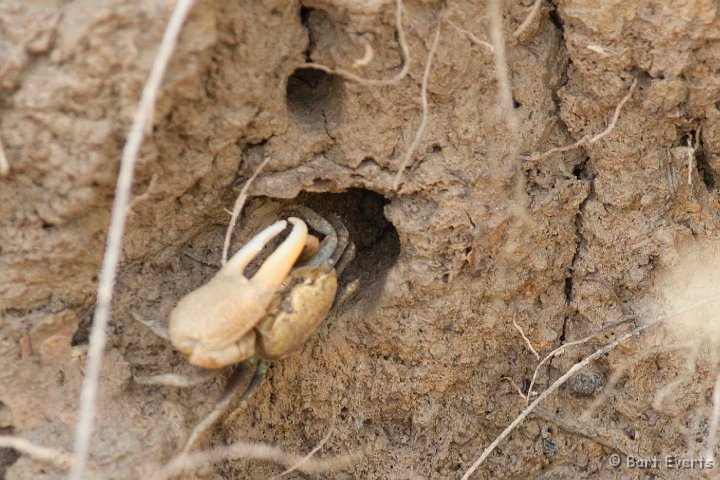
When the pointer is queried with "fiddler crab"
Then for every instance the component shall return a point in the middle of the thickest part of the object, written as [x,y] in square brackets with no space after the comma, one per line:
[234,319]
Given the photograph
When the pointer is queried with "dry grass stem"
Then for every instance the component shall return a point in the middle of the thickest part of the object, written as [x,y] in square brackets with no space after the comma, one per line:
[528,20]
[257,451]
[554,386]
[691,160]
[616,115]
[424,101]
[237,208]
[111,258]
[516,387]
[584,429]
[310,454]
[404,51]
[502,72]
[587,139]
[525,338]
[4,165]
[471,36]
[507,110]
[691,149]
[367,57]
[572,371]
[565,346]
[59,458]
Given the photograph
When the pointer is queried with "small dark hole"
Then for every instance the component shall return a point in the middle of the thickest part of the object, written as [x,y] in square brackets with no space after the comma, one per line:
[305,15]
[446,278]
[436,148]
[578,170]
[47,225]
[516,104]
[568,288]
[376,240]
[314,96]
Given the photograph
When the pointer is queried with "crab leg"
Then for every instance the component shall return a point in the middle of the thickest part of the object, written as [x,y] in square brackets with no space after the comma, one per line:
[238,379]
[328,245]
[343,245]
[277,266]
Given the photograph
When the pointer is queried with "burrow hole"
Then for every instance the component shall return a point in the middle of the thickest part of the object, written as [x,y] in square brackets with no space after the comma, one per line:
[376,240]
[314,96]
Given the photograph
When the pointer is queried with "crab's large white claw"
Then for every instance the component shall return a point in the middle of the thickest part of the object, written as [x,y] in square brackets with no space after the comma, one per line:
[213,325]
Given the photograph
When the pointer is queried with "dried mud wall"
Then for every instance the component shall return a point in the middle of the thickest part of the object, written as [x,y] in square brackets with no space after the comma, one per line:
[421,369]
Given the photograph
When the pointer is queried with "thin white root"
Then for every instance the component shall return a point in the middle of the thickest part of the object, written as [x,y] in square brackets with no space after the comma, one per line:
[516,387]
[565,346]
[616,115]
[367,57]
[587,139]
[237,208]
[404,50]
[310,454]
[257,451]
[111,258]
[691,160]
[471,36]
[424,101]
[502,72]
[58,458]
[526,339]
[4,165]
[554,386]
[528,20]
[505,100]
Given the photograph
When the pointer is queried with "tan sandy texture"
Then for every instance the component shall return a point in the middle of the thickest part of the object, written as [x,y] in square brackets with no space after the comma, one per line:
[415,368]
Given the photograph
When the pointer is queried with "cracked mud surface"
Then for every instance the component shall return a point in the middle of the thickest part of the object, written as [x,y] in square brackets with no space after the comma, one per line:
[419,370]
